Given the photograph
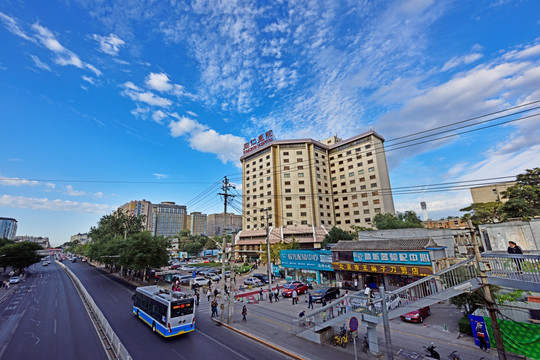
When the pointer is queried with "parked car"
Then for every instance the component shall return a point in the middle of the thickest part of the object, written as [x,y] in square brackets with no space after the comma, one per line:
[253,281]
[175,266]
[262,277]
[182,279]
[417,315]
[213,276]
[326,293]
[288,288]
[14,279]
[199,281]
[187,268]
[394,301]
[227,274]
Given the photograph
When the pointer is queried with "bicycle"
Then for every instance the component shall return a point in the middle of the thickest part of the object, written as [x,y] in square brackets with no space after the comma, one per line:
[454,356]
[342,339]
[365,344]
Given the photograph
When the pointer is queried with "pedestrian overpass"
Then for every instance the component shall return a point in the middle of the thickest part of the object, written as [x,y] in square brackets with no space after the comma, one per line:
[501,269]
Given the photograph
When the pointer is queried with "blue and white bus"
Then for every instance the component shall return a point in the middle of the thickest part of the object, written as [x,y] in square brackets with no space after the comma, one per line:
[169,313]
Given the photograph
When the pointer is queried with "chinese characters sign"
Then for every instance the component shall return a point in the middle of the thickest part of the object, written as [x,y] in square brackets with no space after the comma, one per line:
[261,140]
[307,259]
[385,269]
[393,257]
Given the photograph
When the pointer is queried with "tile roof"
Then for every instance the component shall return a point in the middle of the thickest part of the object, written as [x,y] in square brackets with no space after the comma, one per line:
[385,244]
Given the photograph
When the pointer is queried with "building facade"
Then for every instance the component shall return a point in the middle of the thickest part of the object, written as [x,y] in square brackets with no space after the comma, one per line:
[140,207]
[526,234]
[490,193]
[310,183]
[8,228]
[453,223]
[215,224]
[168,219]
[40,240]
[81,238]
[196,222]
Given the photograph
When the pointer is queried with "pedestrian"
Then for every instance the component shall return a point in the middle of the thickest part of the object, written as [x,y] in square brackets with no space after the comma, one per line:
[294,295]
[276,294]
[515,249]
[216,292]
[302,314]
[310,301]
[244,313]
[214,308]
[481,336]
[323,301]
[261,294]
[355,283]
[198,298]
[270,295]
[208,294]
[347,302]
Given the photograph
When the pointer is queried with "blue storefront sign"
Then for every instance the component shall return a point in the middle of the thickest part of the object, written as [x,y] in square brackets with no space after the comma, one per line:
[307,259]
[393,257]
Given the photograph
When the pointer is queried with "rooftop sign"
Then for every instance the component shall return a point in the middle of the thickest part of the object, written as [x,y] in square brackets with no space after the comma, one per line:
[261,140]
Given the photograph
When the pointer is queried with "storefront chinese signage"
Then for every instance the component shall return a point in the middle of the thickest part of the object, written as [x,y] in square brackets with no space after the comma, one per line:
[393,257]
[394,269]
[307,259]
[259,141]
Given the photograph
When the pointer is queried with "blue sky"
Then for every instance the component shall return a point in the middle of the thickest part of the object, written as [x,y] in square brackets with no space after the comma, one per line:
[111,101]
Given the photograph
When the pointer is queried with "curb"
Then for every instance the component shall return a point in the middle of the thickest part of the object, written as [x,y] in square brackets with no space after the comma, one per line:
[264,342]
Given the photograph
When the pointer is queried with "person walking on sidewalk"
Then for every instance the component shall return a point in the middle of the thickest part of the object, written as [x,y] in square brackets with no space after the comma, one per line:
[208,294]
[244,313]
[276,294]
[310,303]
[261,294]
[214,308]
[294,297]
[270,295]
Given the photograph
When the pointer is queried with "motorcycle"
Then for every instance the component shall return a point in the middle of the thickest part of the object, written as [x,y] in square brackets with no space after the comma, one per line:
[432,353]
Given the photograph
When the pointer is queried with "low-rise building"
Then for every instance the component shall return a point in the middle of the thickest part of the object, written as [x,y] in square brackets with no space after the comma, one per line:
[81,238]
[8,228]
[490,193]
[526,234]
[43,241]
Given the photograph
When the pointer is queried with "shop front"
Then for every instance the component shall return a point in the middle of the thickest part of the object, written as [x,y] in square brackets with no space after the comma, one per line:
[308,266]
[374,263]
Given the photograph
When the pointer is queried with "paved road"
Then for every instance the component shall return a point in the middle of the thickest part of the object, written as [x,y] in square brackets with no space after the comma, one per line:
[43,317]
[208,341]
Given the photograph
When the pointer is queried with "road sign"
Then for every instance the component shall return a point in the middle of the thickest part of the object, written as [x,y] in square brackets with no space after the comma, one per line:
[353,324]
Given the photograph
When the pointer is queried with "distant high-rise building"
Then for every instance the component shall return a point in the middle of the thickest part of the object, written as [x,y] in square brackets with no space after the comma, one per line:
[140,207]
[197,223]
[43,241]
[8,228]
[308,182]
[82,238]
[168,218]
[215,224]
[490,193]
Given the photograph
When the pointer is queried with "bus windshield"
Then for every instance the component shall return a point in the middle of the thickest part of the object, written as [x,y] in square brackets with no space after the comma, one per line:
[180,308]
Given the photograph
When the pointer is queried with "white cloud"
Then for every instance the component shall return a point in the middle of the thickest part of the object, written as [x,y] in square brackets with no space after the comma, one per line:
[88,79]
[72,192]
[160,176]
[183,126]
[158,82]
[194,114]
[40,64]
[158,116]
[459,60]
[22,202]
[17,182]
[136,94]
[227,147]
[527,52]
[109,44]
[12,26]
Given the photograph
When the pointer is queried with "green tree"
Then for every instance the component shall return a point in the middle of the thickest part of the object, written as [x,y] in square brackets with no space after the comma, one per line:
[20,255]
[141,250]
[469,302]
[483,213]
[405,220]
[118,224]
[524,197]
[336,234]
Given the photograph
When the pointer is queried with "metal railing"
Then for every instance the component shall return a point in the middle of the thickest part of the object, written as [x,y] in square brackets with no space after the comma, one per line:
[518,267]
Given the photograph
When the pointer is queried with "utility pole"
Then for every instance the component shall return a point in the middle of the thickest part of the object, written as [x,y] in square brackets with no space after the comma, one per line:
[491,306]
[232,284]
[225,187]
[268,262]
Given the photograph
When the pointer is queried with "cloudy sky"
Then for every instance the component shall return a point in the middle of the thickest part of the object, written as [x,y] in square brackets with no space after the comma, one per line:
[103,102]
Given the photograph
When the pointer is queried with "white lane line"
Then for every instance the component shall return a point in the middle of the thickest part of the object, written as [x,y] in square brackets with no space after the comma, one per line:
[225,346]
[55,326]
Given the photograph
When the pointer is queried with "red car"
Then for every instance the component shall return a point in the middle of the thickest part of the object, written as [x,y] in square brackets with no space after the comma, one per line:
[417,315]
[289,287]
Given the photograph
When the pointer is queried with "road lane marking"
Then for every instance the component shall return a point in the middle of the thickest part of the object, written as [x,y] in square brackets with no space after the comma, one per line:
[55,326]
[225,346]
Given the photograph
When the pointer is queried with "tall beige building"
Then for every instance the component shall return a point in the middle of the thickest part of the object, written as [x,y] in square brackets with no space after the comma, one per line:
[197,223]
[139,207]
[308,182]
[490,193]
[215,224]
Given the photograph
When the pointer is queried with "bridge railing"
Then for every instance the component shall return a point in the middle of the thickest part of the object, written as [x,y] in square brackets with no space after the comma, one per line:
[513,266]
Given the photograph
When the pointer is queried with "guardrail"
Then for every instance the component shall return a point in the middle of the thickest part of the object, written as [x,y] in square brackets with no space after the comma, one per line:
[513,266]
[114,344]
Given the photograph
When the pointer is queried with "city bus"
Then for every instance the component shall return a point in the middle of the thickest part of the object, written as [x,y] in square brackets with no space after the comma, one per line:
[168,313]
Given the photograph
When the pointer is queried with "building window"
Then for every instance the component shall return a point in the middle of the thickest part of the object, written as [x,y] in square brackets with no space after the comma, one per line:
[302,190]
[366,211]
[303,214]
[286,168]
[288,198]
[300,174]
[299,153]
[370,161]
[285,160]
[373,185]
[289,214]
[351,174]
[365,203]
[287,190]
[342,176]
[360,172]
[376,201]
[285,153]
[302,198]
[287,175]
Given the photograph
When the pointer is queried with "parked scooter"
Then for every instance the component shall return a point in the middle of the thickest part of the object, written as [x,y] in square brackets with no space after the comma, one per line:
[432,353]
